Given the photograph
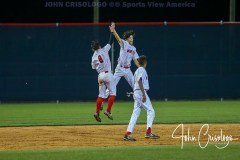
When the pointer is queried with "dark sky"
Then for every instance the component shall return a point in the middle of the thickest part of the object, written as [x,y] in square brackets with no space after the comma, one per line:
[125,11]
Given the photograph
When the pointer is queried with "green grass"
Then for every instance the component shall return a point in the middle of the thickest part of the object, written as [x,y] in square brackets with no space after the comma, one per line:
[193,152]
[82,113]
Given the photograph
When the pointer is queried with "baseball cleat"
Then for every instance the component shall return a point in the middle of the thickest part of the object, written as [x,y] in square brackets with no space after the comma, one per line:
[109,115]
[96,116]
[128,138]
[151,136]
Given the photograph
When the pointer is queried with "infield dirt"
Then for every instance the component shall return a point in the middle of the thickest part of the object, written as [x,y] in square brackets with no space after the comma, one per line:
[48,137]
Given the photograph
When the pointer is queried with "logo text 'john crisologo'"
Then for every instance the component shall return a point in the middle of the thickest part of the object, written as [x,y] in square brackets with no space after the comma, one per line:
[203,138]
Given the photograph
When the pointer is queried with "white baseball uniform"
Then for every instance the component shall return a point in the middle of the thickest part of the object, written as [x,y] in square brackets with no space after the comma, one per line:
[127,54]
[101,62]
[138,104]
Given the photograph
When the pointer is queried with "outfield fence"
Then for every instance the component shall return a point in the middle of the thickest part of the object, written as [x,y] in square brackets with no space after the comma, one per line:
[187,60]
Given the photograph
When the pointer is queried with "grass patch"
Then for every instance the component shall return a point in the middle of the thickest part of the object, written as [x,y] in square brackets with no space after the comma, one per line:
[164,152]
[35,114]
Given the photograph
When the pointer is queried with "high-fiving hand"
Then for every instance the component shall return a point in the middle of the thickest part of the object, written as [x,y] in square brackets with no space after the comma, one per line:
[112,27]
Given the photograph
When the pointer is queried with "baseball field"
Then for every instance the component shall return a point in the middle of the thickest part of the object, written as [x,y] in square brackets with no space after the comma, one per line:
[68,131]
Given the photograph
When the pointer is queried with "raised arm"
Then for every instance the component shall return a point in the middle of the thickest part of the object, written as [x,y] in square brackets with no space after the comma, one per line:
[109,44]
[112,29]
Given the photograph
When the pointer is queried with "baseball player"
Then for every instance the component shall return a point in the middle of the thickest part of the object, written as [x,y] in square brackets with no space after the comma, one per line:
[141,100]
[127,54]
[101,62]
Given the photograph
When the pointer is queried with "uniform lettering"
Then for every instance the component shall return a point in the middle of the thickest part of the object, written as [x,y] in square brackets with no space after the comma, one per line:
[100,59]
[130,51]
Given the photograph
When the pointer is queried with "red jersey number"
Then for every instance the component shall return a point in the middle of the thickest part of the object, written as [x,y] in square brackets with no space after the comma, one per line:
[100,59]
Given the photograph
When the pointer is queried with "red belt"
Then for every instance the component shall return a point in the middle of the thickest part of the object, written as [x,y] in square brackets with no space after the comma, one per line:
[125,67]
[106,72]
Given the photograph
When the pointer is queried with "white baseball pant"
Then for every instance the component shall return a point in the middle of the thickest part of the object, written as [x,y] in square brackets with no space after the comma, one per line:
[119,73]
[106,81]
[124,72]
[138,105]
